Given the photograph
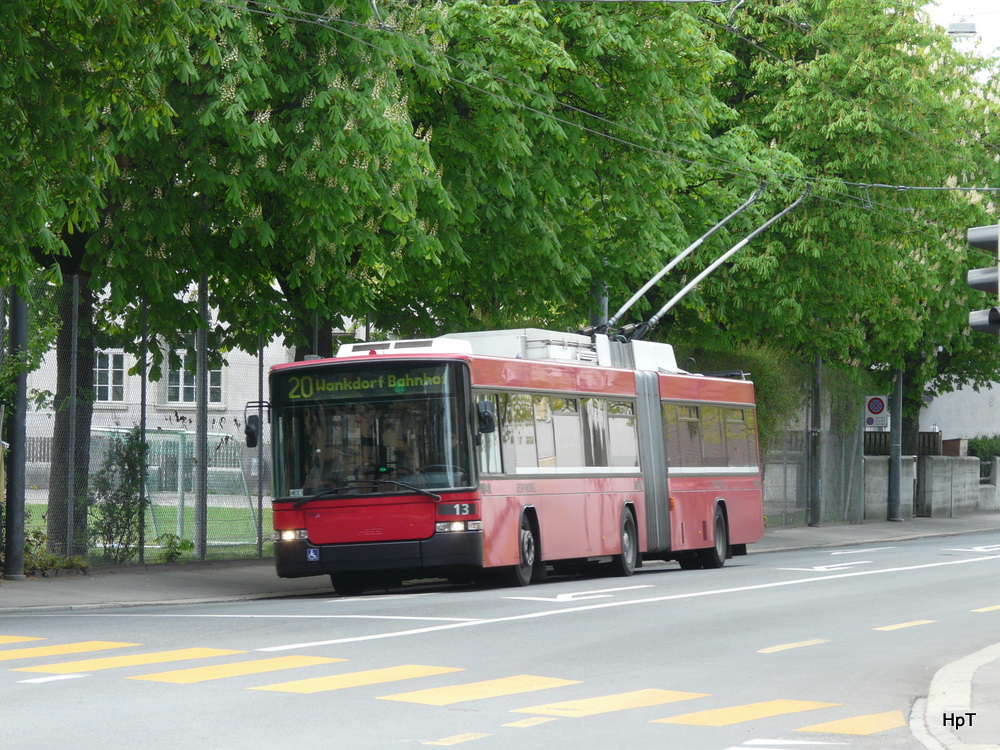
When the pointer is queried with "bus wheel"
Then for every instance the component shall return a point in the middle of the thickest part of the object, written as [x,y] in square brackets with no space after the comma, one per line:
[347,585]
[522,573]
[715,556]
[689,562]
[624,564]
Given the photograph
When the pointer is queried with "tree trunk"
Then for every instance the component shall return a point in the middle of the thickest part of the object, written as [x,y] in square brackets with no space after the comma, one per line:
[71,433]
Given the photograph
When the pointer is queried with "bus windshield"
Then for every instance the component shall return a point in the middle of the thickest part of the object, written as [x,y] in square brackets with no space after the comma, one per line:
[364,428]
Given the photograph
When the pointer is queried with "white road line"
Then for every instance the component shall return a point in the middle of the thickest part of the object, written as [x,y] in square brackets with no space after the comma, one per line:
[859,551]
[625,603]
[37,680]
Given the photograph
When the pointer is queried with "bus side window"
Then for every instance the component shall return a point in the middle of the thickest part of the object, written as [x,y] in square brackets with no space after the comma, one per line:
[489,442]
[740,437]
[713,442]
[682,425]
[558,432]
[737,438]
[517,431]
[623,445]
[569,432]
[545,431]
[595,431]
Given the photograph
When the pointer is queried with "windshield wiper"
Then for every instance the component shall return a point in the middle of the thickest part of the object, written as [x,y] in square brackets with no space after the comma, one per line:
[405,486]
[353,483]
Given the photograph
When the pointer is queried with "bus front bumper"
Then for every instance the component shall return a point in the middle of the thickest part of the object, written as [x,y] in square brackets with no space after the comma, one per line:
[421,557]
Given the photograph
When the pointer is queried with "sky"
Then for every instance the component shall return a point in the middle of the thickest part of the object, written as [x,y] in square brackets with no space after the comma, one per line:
[984,13]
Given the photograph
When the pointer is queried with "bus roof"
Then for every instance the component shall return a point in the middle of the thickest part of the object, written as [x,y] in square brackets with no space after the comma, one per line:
[533,344]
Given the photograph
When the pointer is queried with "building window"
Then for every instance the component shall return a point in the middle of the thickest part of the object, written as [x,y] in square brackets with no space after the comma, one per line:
[182,386]
[109,377]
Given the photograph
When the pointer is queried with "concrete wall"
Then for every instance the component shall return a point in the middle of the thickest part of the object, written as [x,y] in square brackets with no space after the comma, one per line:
[949,486]
[877,487]
[936,487]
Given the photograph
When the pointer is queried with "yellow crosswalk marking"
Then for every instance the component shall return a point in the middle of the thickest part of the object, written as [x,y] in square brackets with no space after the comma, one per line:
[473,691]
[902,625]
[860,725]
[132,660]
[994,608]
[17,638]
[356,679]
[62,650]
[608,703]
[723,717]
[458,739]
[533,722]
[239,669]
[786,646]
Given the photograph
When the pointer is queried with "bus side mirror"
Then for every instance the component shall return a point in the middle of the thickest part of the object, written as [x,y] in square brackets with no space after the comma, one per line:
[252,430]
[487,417]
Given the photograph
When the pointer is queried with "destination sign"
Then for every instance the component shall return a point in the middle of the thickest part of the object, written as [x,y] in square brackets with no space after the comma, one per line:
[349,384]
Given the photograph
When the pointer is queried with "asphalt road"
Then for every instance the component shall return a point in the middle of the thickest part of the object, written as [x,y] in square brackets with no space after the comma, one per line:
[817,648]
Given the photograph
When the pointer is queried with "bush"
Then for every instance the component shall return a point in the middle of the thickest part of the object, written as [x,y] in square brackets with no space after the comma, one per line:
[37,559]
[117,507]
[985,447]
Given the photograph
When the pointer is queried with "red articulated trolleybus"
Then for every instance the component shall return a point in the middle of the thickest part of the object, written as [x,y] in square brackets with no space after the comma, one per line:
[507,452]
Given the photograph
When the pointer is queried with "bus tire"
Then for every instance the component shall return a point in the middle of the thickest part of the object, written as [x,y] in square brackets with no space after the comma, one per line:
[523,573]
[689,561]
[624,563]
[715,556]
[346,584]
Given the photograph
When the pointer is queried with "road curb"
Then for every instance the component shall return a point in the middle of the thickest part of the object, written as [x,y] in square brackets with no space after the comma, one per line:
[950,694]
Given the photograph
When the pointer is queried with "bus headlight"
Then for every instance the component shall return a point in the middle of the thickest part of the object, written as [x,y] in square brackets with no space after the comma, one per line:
[290,535]
[445,526]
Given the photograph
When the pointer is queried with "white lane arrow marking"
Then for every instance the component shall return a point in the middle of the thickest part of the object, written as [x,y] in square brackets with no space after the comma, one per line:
[578,596]
[986,549]
[835,566]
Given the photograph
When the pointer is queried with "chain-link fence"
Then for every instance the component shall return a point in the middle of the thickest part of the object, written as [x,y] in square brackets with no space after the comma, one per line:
[203,494]
[815,474]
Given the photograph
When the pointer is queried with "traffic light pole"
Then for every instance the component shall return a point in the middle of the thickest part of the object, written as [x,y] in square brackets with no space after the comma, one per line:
[985,280]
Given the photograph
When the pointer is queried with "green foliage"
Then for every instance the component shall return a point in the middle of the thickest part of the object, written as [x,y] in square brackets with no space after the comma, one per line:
[116,510]
[985,447]
[173,547]
[866,96]
[38,561]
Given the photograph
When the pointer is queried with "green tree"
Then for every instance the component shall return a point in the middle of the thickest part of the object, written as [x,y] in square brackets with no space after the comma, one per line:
[582,146]
[269,152]
[867,96]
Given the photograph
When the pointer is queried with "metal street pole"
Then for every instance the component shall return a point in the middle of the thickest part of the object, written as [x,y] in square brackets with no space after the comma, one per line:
[896,447]
[201,425]
[14,521]
[816,453]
